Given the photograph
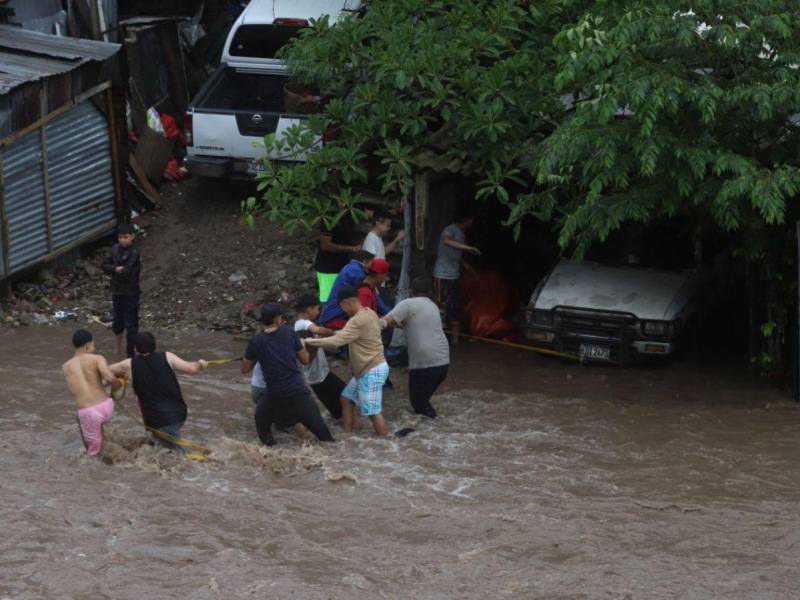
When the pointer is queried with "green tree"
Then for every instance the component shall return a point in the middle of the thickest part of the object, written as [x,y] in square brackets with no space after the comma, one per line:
[468,86]
[690,110]
[590,115]
[683,108]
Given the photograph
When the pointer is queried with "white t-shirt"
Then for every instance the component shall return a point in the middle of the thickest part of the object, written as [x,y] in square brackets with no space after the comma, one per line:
[317,370]
[257,379]
[374,245]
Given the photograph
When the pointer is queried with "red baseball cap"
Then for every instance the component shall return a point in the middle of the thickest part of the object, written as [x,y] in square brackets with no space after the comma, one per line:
[378,265]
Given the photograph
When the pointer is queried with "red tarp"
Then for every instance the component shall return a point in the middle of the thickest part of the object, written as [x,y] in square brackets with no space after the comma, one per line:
[489,298]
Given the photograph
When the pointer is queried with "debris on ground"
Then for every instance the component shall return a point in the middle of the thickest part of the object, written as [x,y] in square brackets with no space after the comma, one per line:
[200,268]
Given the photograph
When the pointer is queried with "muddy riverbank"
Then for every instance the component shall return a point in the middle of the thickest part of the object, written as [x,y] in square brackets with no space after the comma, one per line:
[540,480]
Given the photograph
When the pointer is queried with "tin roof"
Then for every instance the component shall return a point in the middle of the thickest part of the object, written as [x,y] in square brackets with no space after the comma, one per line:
[27,56]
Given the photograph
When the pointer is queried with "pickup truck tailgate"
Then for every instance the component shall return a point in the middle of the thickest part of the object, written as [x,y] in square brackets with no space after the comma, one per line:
[239,135]
[235,110]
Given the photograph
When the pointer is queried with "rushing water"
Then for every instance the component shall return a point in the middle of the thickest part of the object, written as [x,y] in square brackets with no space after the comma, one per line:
[540,480]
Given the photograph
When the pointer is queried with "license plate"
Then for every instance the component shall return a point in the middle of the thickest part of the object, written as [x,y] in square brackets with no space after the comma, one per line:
[593,352]
[255,167]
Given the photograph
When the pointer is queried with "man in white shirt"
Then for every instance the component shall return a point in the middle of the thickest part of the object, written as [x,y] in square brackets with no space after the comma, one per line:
[325,384]
[373,243]
[428,351]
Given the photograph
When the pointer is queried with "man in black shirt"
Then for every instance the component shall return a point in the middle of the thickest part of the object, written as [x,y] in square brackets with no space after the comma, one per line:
[124,264]
[288,402]
[156,386]
[335,248]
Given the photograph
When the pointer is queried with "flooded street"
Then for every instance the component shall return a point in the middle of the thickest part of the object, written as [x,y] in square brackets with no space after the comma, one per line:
[540,480]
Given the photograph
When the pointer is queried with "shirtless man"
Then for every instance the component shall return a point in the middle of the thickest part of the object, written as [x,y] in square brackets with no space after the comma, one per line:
[86,373]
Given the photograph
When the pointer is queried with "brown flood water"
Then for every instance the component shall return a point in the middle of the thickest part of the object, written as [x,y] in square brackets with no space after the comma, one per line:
[540,480]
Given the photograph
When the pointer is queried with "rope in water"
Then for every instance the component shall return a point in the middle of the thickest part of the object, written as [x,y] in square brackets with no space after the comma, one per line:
[517,346]
[198,449]
[223,361]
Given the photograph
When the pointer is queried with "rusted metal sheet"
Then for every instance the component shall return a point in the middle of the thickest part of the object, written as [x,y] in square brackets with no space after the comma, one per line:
[24,201]
[58,194]
[80,174]
[66,48]
[27,56]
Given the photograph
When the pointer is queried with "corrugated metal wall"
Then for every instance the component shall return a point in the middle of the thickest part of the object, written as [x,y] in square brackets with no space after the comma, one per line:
[79,174]
[79,180]
[23,189]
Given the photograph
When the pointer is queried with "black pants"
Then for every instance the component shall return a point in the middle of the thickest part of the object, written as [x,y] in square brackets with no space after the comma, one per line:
[287,411]
[329,392]
[422,384]
[126,318]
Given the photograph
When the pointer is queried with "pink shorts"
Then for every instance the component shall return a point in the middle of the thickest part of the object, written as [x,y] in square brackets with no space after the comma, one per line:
[91,421]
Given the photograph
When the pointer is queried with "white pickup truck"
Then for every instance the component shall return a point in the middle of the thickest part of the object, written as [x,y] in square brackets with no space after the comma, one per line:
[243,101]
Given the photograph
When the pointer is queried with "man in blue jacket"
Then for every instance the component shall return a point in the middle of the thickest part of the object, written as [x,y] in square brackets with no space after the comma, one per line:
[333,317]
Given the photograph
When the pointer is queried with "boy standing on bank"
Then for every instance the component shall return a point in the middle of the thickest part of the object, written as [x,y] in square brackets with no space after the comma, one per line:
[124,265]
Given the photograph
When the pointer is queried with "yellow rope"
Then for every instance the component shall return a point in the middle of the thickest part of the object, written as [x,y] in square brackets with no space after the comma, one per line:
[517,346]
[199,450]
[223,361]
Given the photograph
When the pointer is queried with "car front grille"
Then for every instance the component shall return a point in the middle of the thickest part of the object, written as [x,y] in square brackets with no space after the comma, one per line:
[581,326]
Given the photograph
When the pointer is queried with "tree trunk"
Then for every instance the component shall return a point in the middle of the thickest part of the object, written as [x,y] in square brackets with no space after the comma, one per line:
[754,333]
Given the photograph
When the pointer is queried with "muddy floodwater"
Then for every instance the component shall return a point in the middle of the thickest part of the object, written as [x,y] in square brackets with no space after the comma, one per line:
[540,480]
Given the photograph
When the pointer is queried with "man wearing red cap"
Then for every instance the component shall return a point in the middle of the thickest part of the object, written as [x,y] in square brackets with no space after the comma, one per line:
[369,289]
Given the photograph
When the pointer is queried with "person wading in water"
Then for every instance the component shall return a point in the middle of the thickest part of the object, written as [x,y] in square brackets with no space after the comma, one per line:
[157,388]
[288,402]
[86,373]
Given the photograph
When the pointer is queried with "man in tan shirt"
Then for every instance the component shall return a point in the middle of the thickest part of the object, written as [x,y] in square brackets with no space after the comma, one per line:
[362,334]
[86,373]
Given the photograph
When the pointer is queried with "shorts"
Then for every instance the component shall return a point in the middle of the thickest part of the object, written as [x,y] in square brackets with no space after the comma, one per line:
[90,423]
[325,281]
[366,391]
[448,297]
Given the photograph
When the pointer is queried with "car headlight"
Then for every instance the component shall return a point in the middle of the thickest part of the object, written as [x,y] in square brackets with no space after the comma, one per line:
[542,317]
[655,327]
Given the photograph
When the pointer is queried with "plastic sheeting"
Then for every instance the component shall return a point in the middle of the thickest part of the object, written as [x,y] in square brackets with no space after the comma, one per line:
[486,311]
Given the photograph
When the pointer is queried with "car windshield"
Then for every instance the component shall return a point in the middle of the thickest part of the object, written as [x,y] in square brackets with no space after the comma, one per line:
[261,41]
[665,247]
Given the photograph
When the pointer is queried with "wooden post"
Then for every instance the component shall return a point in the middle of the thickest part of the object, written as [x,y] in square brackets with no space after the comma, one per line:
[797,350]
[3,215]
[404,285]
[421,193]
[116,167]
[45,175]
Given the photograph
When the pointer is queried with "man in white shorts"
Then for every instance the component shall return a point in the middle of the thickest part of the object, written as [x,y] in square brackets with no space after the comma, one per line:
[362,334]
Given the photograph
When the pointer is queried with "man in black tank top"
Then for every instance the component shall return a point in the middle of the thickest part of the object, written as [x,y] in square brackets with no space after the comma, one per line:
[156,385]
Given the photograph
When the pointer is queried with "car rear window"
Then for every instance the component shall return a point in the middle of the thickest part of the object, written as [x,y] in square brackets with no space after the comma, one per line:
[261,41]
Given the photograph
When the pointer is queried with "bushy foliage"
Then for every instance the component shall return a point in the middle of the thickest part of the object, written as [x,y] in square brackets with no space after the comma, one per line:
[589,114]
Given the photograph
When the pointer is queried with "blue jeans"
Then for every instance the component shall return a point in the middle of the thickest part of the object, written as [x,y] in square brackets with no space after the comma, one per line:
[172,430]
[258,394]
